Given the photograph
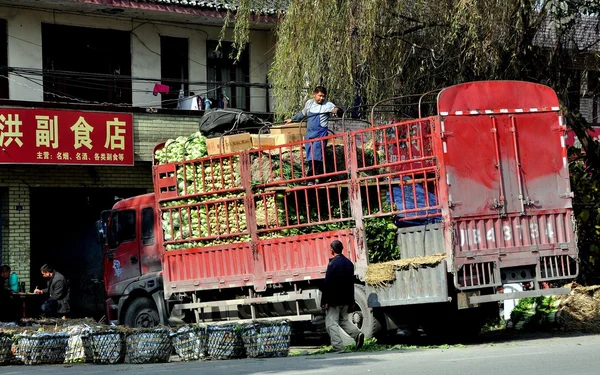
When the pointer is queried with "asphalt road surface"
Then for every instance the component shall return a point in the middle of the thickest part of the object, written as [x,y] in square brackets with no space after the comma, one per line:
[541,354]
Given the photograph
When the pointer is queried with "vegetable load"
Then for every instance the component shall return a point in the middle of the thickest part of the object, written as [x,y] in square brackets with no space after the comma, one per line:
[213,209]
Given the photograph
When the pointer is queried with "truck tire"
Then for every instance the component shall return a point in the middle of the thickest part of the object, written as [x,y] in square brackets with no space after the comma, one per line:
[141,313]
[362,316]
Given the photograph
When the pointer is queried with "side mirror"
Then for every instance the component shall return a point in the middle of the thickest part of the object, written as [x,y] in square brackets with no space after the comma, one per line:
[100,233]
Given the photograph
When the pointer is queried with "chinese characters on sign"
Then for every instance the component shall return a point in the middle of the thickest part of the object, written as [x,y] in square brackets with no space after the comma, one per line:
[41,136]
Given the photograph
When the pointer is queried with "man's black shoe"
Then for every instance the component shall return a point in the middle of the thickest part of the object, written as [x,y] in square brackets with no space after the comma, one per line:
[360,341]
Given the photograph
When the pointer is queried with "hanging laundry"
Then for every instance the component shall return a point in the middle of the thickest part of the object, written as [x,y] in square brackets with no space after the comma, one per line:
[160,89]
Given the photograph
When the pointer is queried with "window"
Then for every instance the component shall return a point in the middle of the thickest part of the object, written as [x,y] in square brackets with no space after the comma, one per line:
[174,68]
[122,228]
[222,70]
[3,60]
[147,226]
[86,64]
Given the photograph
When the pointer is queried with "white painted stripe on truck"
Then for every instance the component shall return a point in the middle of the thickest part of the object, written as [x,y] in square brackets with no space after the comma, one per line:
[519,110]
[474,112]
[307,277]
[562,141]
[555,108]
[565,161]
[288,279]
[444,113]
[445,147]
[504,110]
[443,126]
[533,109]
[458,113]
[560,121]
[489,111]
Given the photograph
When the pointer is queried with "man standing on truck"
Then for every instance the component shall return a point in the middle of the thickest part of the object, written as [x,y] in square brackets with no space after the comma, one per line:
[57,291]
[317,111]
[337,297]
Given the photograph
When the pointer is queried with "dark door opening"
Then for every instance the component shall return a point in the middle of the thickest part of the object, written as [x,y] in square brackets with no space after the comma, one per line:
[63,233]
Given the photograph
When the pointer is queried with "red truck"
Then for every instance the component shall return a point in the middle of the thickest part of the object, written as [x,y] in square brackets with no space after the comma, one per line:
[483,185]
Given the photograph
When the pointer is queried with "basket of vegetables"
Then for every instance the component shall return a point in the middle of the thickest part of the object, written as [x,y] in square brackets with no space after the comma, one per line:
[35,348]
[190,342]
[150,345]
[270,339]
[225,341]
[105,346]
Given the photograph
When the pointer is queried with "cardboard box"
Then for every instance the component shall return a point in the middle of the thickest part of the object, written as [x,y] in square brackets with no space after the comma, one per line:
[228,144]
[267,140]
[291,128]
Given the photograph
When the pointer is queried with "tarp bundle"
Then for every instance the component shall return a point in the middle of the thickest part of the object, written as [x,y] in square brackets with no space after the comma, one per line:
[76,352]
[217,122]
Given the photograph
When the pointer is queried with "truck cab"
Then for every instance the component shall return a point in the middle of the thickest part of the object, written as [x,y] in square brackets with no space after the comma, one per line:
[132,264]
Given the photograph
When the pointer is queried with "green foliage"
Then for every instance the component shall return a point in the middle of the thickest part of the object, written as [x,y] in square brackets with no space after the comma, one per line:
[381,239]
[586,204]
[534,313]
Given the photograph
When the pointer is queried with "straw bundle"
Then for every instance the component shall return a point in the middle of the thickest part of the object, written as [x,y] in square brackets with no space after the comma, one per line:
[580,309]
[379,274]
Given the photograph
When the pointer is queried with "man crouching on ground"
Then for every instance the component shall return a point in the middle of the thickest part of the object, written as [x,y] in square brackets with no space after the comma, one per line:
[337,297]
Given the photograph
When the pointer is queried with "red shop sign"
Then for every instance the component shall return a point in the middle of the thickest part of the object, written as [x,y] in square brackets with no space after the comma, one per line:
[48,136]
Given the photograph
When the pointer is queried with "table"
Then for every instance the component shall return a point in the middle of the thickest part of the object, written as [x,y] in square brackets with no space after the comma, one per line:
[27,298]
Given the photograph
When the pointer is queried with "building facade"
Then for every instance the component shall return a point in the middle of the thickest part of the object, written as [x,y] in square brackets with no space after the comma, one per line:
[87,89]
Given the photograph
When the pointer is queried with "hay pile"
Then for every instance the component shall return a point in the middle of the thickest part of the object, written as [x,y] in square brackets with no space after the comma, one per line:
[379,274]
[580,310]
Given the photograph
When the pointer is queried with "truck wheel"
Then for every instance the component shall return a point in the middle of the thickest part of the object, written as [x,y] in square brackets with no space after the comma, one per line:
[141,313]
[362,315]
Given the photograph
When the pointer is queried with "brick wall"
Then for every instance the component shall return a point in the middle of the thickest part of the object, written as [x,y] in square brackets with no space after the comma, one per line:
[151,129]
[17,180]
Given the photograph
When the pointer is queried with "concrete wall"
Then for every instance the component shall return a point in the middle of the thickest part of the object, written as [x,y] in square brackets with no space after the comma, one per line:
[25,50]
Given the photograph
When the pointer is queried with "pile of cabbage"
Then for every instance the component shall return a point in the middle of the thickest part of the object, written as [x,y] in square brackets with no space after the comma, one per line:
[211,211]
[182,148]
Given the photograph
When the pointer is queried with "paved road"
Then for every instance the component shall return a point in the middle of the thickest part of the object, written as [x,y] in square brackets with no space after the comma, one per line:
[541,354]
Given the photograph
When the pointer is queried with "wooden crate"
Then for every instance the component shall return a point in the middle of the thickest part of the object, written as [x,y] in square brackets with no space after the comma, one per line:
[291,128]
[267,140]
[228,144]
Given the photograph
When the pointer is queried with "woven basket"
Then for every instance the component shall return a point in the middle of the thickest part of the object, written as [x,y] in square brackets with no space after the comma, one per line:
[6,342]
[41,348]
[225,342]
[105,347]
[149,345]
[267,339]
[190,343]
